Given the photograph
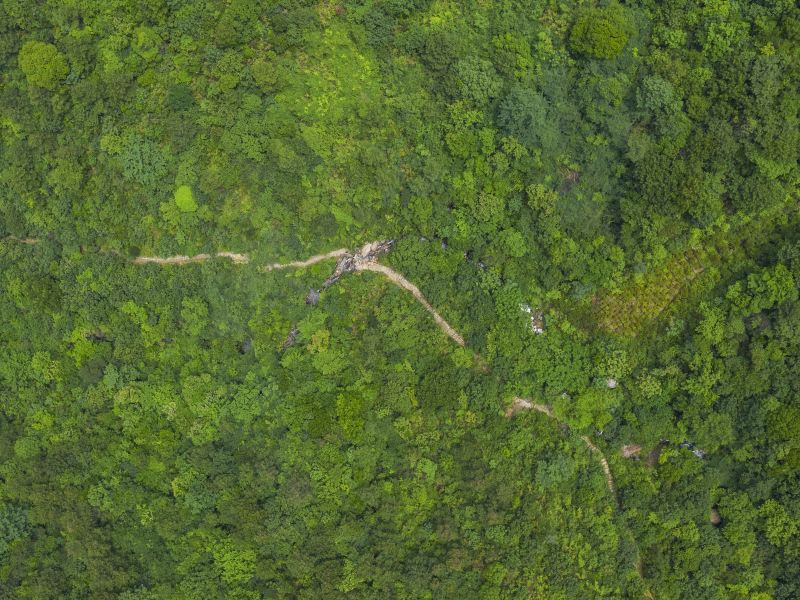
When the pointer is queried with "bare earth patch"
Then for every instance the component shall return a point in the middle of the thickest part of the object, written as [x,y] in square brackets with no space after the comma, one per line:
[404,283]
[170,260]
[519,404]
[305,263]
[631,450]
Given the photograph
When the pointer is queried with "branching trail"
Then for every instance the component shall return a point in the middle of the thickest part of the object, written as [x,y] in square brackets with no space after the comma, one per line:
[365,259]
[360,260]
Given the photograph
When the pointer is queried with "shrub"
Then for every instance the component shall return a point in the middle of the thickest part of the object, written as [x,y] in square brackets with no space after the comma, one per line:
[184,198]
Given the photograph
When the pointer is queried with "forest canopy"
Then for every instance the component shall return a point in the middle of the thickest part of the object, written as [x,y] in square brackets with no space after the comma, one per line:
[399,299]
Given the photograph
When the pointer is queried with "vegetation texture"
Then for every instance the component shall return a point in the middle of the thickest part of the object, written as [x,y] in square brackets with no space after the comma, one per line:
[410,299]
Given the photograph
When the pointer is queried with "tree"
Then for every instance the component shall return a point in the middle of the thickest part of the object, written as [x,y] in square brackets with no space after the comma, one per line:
[526,114]
[142,160]
[477,80]
[44,66]
[601,32]
[13,526]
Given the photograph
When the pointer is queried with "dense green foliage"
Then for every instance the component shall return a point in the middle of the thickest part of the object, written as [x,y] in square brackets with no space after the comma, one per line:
[629,169]
[601,32]
[43,64]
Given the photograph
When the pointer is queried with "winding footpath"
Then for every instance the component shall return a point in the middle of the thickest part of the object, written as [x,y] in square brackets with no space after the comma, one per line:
[520,404]
[523,404]
[361,260]
[365,259]
[404,283]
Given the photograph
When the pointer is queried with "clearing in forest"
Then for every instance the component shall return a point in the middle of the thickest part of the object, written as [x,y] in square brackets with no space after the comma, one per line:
[642,300]
[626,311]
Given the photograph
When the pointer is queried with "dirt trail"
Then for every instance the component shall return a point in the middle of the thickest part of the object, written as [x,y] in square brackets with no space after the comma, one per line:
[603,464]
[366,259]
[363,259]
[19,240]
[519,404]
[404,283]
[178,259]
[235,257]
[182,260]
[170,260]
[305,263]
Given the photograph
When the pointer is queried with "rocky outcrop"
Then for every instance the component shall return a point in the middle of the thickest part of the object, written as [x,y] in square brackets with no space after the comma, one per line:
[290,339]
[631,450]
[312,297]
[351,262]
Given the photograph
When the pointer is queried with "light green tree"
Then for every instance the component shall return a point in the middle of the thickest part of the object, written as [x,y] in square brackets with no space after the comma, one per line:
[44,66]
[184,198]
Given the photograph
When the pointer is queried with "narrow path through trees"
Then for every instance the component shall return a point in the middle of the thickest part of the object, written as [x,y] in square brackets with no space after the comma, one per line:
[520,404]
[307,262]
[365,259]
[182,260]
[404,283]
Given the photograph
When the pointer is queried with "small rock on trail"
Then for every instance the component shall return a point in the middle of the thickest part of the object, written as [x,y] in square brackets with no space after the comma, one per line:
[313,297]
[631,450]
[290,339]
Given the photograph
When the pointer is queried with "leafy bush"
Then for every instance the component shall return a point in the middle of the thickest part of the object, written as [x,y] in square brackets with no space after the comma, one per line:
[142,160]
[477,80]
[184,198]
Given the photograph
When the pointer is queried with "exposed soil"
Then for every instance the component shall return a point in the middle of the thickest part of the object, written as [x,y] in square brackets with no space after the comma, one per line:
[183,260]
[305,263]
[404,283]
[655,453]
[170,260]
[631,450]
[235,257]
[519,404]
